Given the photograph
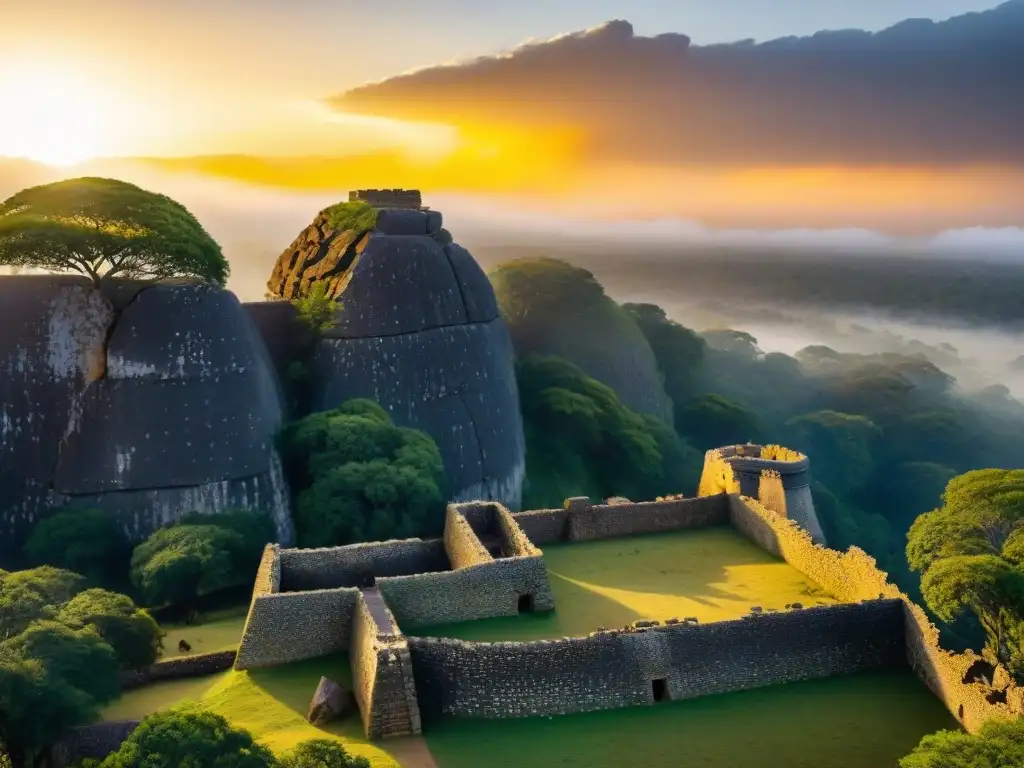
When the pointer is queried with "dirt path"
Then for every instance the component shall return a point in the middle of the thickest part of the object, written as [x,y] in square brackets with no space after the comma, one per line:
[412,752]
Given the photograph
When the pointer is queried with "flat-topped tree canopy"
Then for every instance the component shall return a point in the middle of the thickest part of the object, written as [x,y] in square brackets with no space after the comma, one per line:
[105,228]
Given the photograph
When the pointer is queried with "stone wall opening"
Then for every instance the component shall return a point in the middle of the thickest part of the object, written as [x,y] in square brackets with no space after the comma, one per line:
[659,687]
[526,603]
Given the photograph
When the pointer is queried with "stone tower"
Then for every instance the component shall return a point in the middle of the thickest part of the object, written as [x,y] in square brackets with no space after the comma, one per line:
[741,469]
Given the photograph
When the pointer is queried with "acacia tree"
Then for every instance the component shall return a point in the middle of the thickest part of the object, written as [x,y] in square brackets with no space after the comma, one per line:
[105,228]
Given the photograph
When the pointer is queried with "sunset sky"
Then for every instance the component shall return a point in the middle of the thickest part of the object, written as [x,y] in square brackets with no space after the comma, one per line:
[270,91]
[246,76]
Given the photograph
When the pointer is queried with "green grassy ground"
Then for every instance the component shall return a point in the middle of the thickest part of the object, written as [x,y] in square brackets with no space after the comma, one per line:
[220,631]
[270,703]
[867,721]
[712,573]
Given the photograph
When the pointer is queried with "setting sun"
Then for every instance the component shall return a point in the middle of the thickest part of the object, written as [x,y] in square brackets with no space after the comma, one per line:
[55,118]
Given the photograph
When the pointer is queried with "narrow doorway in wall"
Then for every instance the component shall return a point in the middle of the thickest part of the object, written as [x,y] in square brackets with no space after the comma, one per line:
[659,686]
[526,603]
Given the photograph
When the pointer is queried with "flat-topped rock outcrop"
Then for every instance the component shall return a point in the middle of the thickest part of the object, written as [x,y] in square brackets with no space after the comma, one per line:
[168,406]
[418,331]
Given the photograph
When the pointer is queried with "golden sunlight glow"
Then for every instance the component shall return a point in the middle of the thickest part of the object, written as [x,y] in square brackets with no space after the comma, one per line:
[51,116]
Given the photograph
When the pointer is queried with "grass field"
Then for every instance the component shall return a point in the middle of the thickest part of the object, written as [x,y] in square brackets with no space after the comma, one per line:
[712,574]
[867,721]
[270,703]
[220,631]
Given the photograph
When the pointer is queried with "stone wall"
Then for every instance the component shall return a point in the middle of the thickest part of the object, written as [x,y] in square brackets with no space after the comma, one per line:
[91,741]
[197,665]
[544,526]
[477,592]
[741,469]
[286,627]
[333,567]
[853,575]
[461,541]
[363,659]
[618,669]
[606,521]
[514,540]
[387,198]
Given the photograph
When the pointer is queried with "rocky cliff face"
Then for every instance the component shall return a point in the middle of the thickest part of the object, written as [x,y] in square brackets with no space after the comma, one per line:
[167,407]
[419,332]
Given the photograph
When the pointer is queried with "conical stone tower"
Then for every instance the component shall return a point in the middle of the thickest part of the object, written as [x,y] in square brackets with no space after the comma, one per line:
[418,331]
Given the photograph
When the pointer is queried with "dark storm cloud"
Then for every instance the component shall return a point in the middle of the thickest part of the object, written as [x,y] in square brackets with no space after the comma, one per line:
[917,93]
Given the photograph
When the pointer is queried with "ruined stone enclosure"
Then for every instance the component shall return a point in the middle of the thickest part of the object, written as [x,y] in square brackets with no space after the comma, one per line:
[368,600]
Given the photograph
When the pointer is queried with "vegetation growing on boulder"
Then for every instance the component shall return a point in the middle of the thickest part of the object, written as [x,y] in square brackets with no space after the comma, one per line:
[104,228]
[358,477]
[352,215]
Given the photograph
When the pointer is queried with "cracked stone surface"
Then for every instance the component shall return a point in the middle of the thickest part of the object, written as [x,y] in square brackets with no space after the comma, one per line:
[419,332]
[167,408]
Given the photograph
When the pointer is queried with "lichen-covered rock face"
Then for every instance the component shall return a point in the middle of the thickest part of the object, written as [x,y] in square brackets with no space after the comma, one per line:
[418,332]
[169,406]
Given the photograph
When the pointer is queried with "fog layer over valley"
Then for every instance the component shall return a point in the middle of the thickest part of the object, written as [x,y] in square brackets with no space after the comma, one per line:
[953,296]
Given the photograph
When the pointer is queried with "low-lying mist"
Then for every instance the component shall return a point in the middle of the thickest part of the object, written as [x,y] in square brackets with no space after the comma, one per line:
[953,296]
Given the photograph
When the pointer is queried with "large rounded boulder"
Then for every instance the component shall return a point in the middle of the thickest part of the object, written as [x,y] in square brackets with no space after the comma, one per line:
[553,308]
[418,331]
[165,406]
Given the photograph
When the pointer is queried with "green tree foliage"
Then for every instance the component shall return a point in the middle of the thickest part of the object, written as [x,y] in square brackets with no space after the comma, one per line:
[969,553]
[353,215]
[361,478]
[316,310]
[189,737]
[999,744]
[711,421]
[253,532]
[843,446]
[104,228]
[86,541]
[36,707]
[178,564]
[321,753]
[27,596]
[131,631]
[679,351]
[581,440]
[558,310]
[80,656]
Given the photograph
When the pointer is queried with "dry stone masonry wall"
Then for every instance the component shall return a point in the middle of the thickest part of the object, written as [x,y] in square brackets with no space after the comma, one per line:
[621,669]
[400,677]
[348,566]
[853,575]
[461,542]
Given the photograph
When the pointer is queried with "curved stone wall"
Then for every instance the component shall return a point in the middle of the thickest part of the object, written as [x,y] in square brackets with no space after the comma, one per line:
[166,407]
[741,469]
